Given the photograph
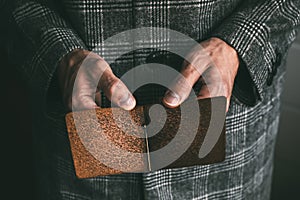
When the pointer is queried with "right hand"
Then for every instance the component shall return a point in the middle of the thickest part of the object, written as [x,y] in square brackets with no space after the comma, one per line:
[86,68]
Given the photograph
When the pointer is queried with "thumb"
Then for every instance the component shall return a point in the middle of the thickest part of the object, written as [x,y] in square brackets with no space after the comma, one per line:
[178,92]
[116,91]
[183,84]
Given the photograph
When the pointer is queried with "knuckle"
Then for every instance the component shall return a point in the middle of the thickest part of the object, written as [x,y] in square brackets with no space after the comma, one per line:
[91,62]
[113,84]
[70,105]
[183,83]
[190,69]
[73,103]
[95,61]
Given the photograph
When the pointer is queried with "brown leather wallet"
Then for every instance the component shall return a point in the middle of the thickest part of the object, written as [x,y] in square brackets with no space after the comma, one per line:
[109,141]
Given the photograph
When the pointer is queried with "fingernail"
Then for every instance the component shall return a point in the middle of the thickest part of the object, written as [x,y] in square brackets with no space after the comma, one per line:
[171,98]
[126,101]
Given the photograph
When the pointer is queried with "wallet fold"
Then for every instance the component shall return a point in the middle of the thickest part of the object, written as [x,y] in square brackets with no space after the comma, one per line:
[107,141]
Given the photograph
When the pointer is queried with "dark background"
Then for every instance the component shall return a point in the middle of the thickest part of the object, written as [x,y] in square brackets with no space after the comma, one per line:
[16,146]
[16,129]
[286,179]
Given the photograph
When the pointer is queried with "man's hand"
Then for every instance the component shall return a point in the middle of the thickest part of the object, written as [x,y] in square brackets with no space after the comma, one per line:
[78,74]
[215,63]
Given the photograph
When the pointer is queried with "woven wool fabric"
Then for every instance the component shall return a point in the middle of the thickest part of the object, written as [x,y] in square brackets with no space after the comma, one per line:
[261,32]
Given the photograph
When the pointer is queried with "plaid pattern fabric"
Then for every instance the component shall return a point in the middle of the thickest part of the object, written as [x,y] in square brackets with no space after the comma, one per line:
[261,32]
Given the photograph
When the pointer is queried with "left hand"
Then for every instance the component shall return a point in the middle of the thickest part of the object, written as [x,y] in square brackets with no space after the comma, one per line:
[214,62]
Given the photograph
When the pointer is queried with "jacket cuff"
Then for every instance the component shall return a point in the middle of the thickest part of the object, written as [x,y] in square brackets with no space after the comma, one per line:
[54,46]
[250,40]
[46,38]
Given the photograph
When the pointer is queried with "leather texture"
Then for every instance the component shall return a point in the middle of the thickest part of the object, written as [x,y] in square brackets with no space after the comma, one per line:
[261,31]
[126,132]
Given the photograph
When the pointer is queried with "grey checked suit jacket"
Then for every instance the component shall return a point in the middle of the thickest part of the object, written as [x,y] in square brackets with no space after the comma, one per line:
[261,31]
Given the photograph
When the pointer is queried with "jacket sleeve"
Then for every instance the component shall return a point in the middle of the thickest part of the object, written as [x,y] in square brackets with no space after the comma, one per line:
[261,32]
[42,37]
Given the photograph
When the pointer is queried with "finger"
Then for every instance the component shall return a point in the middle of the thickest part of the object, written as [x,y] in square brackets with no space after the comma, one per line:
[116,91]
[211,90]
[214,86]
[177,92]
[82,102]
[98,98]
[83,96]
[183,84]
[87,85]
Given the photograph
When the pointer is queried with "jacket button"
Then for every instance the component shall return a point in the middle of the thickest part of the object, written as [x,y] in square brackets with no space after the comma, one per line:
[270,78]
[278,59]
[277,63]
[153,57]
[273,72]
